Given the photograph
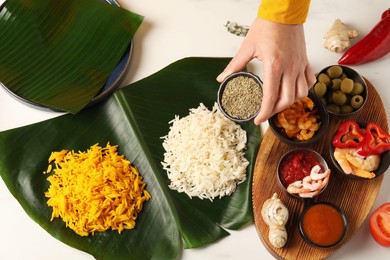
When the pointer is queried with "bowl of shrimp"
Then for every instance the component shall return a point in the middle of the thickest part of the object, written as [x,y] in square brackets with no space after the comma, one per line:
[303,173]
[353,165]
[303,123]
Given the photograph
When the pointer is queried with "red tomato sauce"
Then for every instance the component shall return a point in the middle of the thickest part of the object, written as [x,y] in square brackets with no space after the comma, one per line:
[323,225]
[297,167]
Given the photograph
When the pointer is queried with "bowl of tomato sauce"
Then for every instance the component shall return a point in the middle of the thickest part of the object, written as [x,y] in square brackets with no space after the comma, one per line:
[323,225]
[303,173]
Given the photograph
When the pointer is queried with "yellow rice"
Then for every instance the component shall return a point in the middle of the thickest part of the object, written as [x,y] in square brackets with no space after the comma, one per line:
[95,190]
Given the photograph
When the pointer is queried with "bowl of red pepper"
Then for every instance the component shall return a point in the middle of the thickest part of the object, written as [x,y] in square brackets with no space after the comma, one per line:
[342,89]
[360,150]
[303,173]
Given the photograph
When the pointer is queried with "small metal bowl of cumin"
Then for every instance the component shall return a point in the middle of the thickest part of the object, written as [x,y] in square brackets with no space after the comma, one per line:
[240,96]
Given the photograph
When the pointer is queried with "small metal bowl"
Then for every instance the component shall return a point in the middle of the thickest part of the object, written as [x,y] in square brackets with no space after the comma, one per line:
[383,165]
[222,89]
[352,74]
[307,153]
[324,123]
[319,226]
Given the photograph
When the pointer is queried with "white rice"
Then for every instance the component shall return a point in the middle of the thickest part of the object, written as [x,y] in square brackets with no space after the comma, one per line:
[205,154]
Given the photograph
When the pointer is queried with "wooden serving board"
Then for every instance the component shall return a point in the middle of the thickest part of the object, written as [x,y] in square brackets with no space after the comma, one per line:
[354,197]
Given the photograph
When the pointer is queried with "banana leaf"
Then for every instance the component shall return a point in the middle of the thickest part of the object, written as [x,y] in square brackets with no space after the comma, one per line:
[134,118]
[59,54]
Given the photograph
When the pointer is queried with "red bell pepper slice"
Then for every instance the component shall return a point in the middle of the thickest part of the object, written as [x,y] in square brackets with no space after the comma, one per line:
[376,141]
[348,135]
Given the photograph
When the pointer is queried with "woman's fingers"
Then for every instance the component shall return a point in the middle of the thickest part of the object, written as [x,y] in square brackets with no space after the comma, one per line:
[239,61]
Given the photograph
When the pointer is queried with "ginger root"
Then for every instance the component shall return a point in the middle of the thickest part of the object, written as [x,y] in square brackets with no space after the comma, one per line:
[337,39]
[275,215]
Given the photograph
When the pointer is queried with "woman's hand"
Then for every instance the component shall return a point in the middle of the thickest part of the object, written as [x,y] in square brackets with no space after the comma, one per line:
[287,75]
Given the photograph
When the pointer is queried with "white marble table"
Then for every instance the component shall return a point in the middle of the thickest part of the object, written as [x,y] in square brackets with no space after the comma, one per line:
[174,29]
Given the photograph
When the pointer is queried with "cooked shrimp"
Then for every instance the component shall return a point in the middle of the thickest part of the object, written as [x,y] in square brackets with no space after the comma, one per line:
[339,155]
[284,122]
[305,134]
[314,127]
[297,188]
[307,102]
[351,162]
[292,133]
[298,107]
[325,180]
[309,194]
[317,174]
[305,122]
[366,163]
[310,184]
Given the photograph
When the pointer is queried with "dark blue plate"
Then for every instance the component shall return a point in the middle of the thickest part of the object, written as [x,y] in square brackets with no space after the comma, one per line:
[112,83]
[118,73]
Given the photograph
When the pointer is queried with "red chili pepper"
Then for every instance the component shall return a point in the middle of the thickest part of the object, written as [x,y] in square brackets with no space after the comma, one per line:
[373,46]
[385,14]
[376,141]
[348,135]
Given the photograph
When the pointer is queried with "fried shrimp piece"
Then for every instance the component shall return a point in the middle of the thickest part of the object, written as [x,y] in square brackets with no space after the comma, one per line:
[287,120]
[297,188]
[305,121]
[308,103]
[340,156]
[368,163]
[353,163]
[317,174]
[305,135]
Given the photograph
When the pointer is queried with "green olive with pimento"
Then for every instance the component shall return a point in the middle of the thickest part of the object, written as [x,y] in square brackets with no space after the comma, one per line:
[342,92]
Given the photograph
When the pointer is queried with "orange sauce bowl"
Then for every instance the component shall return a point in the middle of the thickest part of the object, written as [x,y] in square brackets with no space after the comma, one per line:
[323,225]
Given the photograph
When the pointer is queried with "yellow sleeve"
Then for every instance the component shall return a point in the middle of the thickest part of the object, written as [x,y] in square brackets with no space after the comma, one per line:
[284,11]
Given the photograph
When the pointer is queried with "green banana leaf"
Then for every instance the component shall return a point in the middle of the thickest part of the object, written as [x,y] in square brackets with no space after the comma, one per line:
[134,118]
[59,54]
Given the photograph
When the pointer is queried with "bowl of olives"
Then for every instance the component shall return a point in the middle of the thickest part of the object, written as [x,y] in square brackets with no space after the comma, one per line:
[341,89]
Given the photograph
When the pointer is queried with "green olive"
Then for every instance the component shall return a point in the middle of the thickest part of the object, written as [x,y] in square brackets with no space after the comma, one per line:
[346,85]
[320,89]
[346,109]
[322,77]
[334,72]
[333,108]
[357,89]
[335,84]
[339,98]
[357,101]
[344,76]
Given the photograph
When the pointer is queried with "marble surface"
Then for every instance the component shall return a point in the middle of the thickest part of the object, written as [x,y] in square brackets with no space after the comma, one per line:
[175,29]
